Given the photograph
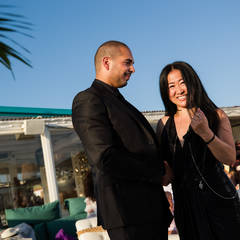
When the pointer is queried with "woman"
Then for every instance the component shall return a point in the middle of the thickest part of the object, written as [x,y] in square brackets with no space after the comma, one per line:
[196,140]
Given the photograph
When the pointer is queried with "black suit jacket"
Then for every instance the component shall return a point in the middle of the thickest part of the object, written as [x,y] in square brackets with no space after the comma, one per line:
[122,149]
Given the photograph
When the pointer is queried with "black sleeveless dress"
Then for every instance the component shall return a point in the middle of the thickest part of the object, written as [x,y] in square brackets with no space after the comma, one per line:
[207,206]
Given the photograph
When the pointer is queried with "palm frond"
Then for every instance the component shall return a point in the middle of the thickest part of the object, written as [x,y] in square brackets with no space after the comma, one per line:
[11,23]
[14,42]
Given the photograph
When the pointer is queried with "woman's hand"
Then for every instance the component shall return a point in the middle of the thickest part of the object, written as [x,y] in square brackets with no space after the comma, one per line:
[199,124]
[222,147]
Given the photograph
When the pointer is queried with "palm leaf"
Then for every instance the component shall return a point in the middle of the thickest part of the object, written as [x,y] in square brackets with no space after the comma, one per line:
[14,42]
[11,23]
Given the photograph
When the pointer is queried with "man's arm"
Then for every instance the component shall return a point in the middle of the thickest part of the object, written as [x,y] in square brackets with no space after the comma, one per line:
[103,145]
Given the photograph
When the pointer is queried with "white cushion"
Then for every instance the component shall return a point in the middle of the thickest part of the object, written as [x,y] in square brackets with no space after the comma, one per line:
[90,223]
[86,223]
[91,236]
[173,237]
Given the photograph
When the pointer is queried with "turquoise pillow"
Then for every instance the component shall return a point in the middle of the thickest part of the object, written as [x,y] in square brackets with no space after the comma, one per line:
[66,223]
[33,215]
[41,231]
[75,205]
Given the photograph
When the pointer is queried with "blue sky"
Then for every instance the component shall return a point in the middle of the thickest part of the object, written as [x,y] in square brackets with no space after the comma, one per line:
[67,33]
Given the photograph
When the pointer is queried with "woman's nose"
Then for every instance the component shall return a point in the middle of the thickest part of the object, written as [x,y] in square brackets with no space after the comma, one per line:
[179,89]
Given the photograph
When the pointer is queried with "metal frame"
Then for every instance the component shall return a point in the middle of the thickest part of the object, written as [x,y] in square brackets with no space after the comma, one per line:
[8,127]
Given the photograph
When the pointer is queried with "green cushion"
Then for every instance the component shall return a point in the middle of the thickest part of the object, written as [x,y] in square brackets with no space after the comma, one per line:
[75,205]
[41,231]
[33,215]
[66,223]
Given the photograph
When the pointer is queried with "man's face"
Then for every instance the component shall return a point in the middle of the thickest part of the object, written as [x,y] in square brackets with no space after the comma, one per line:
[121,68]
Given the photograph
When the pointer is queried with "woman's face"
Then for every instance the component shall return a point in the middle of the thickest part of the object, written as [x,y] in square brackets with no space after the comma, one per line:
[177,89]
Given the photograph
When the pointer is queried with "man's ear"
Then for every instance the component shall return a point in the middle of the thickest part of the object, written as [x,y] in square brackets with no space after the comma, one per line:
[106,62]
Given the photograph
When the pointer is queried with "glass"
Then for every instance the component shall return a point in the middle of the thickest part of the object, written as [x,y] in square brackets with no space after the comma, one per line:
[70,162]
[22,172]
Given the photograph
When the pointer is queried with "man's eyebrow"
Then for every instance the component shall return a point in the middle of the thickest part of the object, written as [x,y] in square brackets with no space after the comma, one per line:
[129,60]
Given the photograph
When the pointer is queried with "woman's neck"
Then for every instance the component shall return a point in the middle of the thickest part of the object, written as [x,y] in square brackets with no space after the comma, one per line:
[185,112]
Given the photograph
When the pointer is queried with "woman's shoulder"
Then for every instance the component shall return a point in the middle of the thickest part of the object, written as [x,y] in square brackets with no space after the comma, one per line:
[224,122]
[221,114]
[164,119]
[161,124]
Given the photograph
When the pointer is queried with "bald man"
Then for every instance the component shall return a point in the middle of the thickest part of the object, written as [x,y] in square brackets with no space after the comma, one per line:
[122,150]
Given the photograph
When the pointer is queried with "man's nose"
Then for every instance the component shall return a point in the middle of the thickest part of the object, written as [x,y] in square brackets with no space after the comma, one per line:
[132,69]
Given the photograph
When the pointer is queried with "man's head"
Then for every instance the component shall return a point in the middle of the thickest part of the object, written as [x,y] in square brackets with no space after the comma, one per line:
[114,63]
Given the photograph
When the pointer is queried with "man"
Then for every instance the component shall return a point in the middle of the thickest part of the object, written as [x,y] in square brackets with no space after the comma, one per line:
[122,149]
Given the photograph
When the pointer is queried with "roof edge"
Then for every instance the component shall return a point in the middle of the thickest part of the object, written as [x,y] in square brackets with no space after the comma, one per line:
[30,111]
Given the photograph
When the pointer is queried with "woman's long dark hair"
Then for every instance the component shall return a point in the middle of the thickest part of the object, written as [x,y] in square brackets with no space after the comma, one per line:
[197,96]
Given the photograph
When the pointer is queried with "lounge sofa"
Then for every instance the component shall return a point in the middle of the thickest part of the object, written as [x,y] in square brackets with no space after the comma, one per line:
[46,219]
[87,229]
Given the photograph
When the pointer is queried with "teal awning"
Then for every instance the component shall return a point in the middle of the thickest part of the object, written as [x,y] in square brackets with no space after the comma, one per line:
[33,112]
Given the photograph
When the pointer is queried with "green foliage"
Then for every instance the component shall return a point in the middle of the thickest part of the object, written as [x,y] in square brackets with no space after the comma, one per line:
[11,24]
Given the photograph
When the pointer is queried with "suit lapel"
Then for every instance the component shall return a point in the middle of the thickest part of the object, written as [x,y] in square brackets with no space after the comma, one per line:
[140,119]
[137,116]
